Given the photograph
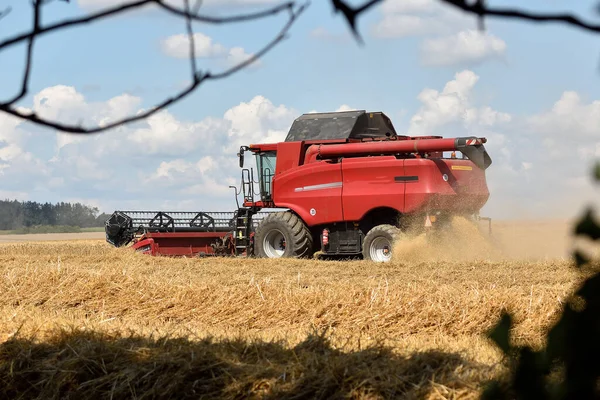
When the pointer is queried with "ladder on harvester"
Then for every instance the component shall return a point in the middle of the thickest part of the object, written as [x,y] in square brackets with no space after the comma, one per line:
[243,228]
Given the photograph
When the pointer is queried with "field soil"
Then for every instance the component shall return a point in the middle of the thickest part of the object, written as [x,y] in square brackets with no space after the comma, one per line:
[82,317]
[43,237]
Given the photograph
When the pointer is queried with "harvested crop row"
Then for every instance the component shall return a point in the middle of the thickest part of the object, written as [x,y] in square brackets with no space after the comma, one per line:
[434,311]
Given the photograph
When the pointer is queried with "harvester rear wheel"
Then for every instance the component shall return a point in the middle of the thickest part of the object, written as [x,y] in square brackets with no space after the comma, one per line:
[283,234]
[379,242]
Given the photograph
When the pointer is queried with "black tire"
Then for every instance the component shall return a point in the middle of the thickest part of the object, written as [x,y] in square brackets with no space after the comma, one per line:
[297,237]
[385,235]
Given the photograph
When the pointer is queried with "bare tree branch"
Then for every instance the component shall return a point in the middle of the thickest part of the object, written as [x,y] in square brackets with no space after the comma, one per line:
[36,25]
[294,13]
[478,8]
[351,14]
[109,12]
[230,18]
[5,12]
[190,32]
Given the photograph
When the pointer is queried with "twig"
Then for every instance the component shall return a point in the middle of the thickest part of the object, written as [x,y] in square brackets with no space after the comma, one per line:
[5,12]
[478,8]
[76,21]
[198,78]
[293,16]
[351,13]
[140,3]
[231,18]
[36,26]
[190,32]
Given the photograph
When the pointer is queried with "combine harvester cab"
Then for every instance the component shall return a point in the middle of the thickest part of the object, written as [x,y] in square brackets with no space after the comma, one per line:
[342,183]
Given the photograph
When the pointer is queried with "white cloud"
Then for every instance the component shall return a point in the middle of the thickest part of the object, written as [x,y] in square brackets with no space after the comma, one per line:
[407,6]
[449,36]
[540,162]
[163,160]
[9,129]
[345,107]
[569,116]
[87,168]
[178,46]
[64,104]
[10,152]
[399,26]
[16,164]
[171,170]
[166,135]
[59,102]
[401,18]
[466,47]
[259,120]
[10,195]
[238,55]
[186,178]
[452,105]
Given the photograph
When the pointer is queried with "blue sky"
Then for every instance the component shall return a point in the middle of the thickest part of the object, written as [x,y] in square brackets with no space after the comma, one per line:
[533,90]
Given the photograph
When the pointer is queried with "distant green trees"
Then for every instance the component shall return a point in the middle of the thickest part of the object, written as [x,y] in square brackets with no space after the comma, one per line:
[17,215]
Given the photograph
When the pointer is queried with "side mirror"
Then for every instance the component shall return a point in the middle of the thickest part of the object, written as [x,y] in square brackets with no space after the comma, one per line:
[241,156]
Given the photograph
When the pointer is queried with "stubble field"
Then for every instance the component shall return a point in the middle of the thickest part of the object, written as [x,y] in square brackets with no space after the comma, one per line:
[81,318]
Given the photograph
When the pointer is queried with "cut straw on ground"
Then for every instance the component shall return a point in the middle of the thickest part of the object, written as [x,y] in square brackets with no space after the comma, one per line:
[84,319]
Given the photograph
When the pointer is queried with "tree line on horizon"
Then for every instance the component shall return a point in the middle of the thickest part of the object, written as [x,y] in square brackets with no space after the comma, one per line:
[15,215]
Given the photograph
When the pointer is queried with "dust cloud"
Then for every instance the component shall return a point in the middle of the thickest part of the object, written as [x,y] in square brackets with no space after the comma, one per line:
[465,240]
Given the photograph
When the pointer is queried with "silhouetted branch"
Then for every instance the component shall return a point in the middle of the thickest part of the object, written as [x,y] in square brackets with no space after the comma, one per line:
[75,22]
[231,18]
[478,8]
[36,26]
[5,12]
[111,11]
[197,77]
[190,32]
[351,13]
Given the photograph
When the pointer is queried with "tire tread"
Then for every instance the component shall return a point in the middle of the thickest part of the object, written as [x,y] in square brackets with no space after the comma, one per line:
[391,230]
[302,240]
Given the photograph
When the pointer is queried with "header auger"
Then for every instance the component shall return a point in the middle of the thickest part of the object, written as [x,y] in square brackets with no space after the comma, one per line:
[345,183]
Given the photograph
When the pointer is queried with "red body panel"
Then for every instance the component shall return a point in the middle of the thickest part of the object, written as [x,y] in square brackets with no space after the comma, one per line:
[178,244]
[289,156]
[465,191]
[316,186]
[347,188]
[369,183]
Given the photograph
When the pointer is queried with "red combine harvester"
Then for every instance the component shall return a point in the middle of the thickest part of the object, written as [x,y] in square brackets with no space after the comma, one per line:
[345,183]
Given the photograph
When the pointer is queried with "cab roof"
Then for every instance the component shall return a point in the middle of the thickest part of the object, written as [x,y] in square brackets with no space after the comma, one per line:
[358,124]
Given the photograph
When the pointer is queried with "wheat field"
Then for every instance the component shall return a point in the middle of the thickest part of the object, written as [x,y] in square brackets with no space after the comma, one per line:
[81,319]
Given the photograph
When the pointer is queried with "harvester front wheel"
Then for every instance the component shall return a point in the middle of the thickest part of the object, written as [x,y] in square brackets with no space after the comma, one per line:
[283,234]
[379,242]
